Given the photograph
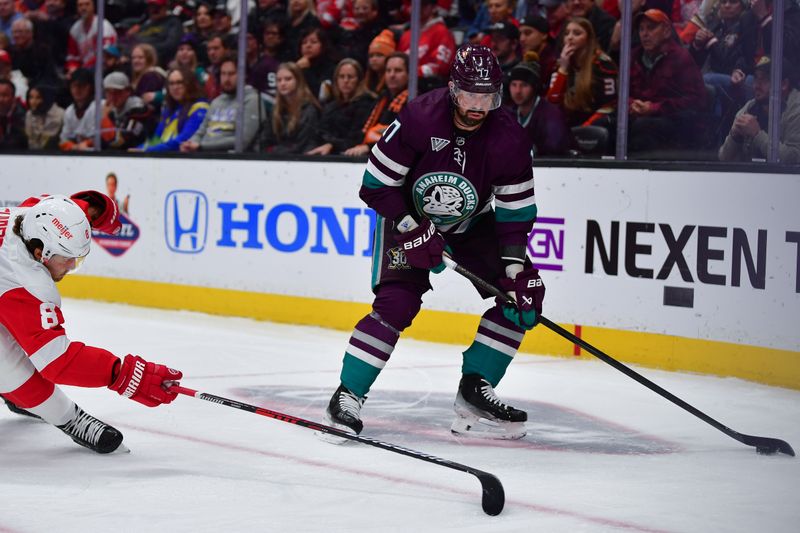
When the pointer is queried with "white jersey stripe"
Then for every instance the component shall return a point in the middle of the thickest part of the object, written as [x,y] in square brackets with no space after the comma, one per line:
[513,189]
[49,352]
[383,178]
[373,341]
[389,163]
[505,332]
[496,345]
[368,358]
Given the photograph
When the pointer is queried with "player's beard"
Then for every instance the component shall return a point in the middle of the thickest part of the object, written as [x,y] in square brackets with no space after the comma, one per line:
[465,121]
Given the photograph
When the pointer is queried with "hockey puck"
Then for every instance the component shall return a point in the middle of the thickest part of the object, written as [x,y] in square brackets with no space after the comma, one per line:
[766,450]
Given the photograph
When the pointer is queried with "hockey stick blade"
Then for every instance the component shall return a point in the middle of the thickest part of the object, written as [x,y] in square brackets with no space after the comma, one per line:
[493,496]
[763,445]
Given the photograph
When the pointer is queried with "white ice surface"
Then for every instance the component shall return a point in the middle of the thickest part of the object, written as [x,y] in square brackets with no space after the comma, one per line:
[603,453]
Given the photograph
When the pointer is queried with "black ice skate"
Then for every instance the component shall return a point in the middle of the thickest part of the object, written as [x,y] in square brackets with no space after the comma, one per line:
[92,433]
[19,410]
[344,411]
[480,413]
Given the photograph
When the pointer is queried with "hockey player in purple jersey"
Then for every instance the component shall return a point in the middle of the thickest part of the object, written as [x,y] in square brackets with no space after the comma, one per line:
[432,179]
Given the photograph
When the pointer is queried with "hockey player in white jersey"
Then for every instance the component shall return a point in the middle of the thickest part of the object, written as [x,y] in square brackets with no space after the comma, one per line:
[41,242]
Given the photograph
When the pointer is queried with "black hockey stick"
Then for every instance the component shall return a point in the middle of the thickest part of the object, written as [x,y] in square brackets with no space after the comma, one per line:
[763,445]
[493,498]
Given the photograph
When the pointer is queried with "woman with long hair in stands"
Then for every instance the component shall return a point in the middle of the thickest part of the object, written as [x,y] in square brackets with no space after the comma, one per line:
[585,84]
[295,116]
[147,78]
[183,111]
[342,117]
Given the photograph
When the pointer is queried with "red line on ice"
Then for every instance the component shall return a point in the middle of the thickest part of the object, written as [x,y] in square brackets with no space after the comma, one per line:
[472,494]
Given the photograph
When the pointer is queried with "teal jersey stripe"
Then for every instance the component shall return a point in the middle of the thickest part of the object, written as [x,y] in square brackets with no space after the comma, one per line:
[377,250]
[357,375]
[525,214]
[370,181]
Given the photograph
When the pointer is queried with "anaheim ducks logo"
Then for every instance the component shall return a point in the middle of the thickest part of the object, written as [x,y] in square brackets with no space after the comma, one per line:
[444,197]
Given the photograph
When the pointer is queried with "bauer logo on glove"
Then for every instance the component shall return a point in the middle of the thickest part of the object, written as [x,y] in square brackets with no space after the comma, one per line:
[527,289]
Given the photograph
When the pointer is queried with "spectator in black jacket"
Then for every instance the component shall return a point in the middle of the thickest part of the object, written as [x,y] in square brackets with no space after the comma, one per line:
[12,119]
[293,126]
[33,59]
[160,30]
[343,116]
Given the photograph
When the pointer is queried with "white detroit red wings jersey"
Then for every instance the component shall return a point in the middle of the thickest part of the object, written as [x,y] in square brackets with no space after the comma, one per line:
[81,43]
[30,314]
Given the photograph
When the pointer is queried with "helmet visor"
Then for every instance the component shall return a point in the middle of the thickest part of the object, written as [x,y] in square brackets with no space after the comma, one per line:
[65,265]
[477,101]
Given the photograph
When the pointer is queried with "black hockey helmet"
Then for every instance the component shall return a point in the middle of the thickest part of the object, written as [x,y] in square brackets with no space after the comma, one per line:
[475,69]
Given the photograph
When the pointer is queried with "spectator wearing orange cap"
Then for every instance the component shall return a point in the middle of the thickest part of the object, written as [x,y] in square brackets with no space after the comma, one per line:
[667,92]
[380,48]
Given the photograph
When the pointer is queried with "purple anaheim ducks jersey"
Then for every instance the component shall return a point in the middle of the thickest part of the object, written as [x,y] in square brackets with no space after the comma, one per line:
[423,166]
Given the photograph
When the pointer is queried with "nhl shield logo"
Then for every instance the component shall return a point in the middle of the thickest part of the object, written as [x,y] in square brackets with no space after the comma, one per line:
[437,143]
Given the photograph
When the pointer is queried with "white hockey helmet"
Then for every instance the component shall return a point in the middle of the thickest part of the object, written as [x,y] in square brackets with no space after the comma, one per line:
[61,225]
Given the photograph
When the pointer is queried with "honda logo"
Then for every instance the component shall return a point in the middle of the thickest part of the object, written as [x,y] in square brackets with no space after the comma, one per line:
[186,221]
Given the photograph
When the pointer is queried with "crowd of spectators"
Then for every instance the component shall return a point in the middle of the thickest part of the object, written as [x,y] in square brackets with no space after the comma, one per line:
[327,77]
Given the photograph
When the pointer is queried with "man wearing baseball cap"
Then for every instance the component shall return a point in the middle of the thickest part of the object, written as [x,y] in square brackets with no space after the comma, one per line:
[748,138]
[124,115]
[544,122]
[534,36]
[667,94]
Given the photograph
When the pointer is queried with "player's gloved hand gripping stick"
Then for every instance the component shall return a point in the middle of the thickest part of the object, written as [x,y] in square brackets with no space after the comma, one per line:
[763,445]
[421,242]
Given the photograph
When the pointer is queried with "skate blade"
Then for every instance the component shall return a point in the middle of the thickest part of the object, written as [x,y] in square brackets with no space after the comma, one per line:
[331,438]
[121,449]
[483,428]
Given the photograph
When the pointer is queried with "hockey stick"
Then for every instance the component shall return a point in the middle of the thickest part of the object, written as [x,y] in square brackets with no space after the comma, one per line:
[493,498]
[763,445]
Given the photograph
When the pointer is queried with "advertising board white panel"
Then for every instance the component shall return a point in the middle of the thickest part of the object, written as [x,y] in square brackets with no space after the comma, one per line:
[700,255]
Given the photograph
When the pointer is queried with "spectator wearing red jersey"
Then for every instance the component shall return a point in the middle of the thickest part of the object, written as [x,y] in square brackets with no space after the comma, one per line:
[83,36]
[436,47]
[667,92]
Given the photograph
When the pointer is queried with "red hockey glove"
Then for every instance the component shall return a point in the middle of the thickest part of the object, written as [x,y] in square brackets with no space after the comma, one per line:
[528,290]
[145,382]
[101,211]
[423,246]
